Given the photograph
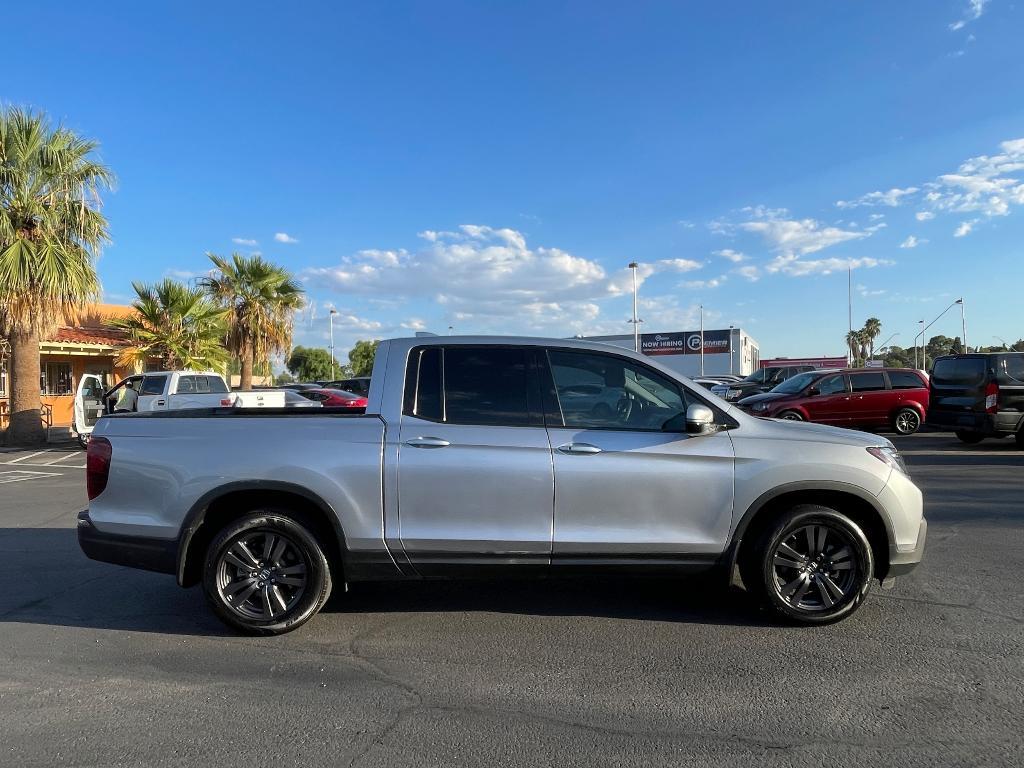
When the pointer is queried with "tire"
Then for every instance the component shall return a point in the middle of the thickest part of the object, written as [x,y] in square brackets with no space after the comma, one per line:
[971,438]
[906,421]
[823,584]
[791,416]
[83,441]
[290,578]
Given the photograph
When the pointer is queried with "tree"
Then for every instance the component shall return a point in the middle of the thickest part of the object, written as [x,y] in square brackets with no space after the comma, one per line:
[261,299]
[853,344]
[360,358]
[310,364]
[872,329]
[174,322]
[51,231]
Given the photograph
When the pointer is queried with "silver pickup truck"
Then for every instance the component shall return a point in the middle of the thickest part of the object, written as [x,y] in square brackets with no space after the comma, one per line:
[478,455]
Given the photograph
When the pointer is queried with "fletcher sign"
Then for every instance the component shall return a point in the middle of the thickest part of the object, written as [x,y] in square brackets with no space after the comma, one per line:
[686,343]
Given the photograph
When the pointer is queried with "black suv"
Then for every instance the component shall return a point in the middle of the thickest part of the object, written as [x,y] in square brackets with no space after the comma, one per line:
[979,395]
[759,381]
[359,385]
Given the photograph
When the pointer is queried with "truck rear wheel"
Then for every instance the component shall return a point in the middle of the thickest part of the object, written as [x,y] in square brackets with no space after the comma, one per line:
[266,573]
[813,565]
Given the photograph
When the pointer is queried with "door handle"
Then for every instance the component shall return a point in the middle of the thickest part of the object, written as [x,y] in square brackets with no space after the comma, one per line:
[578,448]
[161,402]
[427,442]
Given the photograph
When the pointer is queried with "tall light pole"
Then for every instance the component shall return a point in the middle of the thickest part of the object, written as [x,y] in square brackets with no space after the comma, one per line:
[701,339]
[920,367]
[924,353]
[636,320]
[849,311]
[963,326]
[333,313]
[1001,339]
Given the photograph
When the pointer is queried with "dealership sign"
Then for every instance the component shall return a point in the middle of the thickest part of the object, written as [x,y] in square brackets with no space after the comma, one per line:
[687,343]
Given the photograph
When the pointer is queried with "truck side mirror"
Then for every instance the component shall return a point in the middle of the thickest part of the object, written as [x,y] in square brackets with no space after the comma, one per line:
[699,419]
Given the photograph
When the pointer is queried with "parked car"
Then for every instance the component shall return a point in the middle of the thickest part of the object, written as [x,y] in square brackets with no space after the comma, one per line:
[334,398]
[449,472]
[896,398]
[358,385]
[706,382]
[979,395]
[759,381]
[295,399]
[299,386]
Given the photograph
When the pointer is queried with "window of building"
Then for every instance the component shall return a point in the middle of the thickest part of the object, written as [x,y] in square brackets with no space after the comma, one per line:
[55,379]
[3,382]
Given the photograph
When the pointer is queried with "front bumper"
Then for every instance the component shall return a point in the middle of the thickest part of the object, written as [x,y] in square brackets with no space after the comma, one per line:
[160,555]
[902,563]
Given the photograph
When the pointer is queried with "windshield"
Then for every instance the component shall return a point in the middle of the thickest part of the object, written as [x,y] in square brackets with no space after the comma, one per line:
[796,384]
[757,377]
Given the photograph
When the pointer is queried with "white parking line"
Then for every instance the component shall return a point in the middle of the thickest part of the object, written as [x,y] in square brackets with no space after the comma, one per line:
[29,456]
[60,457]
[18,475]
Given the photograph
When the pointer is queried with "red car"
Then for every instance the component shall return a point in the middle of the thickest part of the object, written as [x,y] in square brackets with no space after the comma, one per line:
[334,398]
[896,398]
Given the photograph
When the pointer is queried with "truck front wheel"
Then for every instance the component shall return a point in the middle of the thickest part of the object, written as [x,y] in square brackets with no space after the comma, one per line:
[266,573]
[812,565]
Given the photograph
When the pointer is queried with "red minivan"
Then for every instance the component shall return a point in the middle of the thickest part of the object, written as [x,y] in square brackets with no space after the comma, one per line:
[856,397]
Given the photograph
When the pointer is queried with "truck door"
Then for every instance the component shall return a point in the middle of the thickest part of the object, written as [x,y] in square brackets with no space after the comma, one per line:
[623,487]
[474,464]
[153,392]
[88,404]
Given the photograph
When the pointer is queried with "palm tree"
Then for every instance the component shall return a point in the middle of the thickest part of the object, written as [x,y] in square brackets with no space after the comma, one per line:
[261,299]
[872,329]
[51,230]
[853,344]
[176,323]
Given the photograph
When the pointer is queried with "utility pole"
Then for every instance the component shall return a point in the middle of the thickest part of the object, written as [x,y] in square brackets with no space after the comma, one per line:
[849,312]
[963,326]
[333,313]
[636,320]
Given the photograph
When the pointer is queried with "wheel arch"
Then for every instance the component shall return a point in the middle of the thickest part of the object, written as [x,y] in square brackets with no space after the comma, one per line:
[228,502]
[855,502]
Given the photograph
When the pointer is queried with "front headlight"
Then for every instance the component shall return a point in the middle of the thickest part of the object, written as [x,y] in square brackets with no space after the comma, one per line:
[890,456]
[759,407]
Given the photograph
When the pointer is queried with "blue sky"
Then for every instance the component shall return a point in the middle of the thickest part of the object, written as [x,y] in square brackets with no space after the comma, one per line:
[494,166]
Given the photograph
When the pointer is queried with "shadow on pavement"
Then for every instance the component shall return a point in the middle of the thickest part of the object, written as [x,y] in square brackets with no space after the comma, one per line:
[61,587]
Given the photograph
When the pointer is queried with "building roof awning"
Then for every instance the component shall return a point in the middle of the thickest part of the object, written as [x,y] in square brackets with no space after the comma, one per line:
[83,341]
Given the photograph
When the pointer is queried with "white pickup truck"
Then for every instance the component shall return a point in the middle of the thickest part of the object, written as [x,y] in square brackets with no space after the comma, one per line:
[164,391]
[516,455]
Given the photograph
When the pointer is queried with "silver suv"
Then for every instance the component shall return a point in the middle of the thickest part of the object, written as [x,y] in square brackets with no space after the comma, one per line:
[520,455]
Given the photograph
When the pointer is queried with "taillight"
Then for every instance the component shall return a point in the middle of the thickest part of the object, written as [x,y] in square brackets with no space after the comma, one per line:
[992,397]
[97,466]
[360,403]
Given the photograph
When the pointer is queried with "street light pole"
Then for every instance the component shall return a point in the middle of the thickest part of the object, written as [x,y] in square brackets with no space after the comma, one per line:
[921,335]
[730,351]
[701,339]
[636,320]
[963,326]
[333,313]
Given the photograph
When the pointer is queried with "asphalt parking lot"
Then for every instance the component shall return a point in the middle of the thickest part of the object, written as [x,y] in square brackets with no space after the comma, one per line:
[102,665]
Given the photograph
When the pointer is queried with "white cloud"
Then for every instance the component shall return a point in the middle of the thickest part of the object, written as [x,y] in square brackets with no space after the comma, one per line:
[924,215]
[892,198]
[488,279]
[284,237]
[804,267]
[965,228]
[796,237]
[244,241]
[750,272]
[183,274]
[731,255]
[866,292]
[912,242]
[679,265]
[700,284]
[973,11]
[982,184]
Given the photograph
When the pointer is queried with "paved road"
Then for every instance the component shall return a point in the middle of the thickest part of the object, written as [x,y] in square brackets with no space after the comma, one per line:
[101,665]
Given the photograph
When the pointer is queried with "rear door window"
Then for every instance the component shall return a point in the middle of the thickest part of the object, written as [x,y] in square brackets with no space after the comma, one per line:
[965,371]
[867,382]
[1011,370]
[153,385]
[905,380]
[485,386]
